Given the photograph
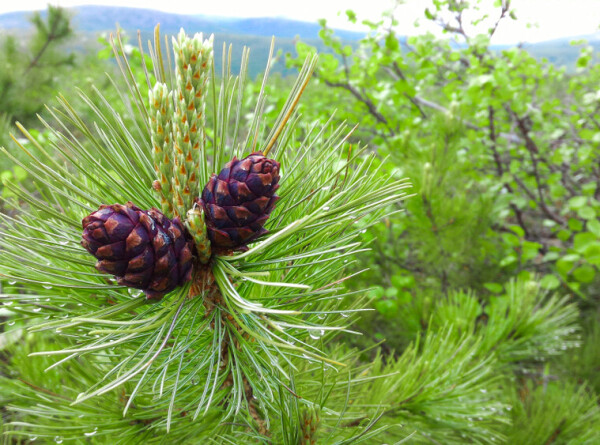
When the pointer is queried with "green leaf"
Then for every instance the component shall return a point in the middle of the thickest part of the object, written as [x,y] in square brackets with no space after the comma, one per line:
[564,235]
[584,274]
[594,227]
[391,42]
[351,15]
[530,250]
[20,173]
[6,175]
[549,282]
[575,224]
[581,241]
[577,202]
[511,239]
[388,308]
[566,263]
[586,212]
[391,292]
[495,288]
[518,230]
[508,260]
[404,297]
[376,292]
[403,281]
[583,61]
[527,277]
[592,253]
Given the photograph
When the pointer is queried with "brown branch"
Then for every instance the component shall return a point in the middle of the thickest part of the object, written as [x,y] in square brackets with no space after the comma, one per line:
[44,390]
[262,425]
[436,232]
[533,150]
[417,101]
[204,285]
[510,137]
[597,175]
[363,99]
[36,59]
[564,177]
[551,215]
[400,74]
[49,39]
[505,9]
[500,169]
[556,433]
[398,407]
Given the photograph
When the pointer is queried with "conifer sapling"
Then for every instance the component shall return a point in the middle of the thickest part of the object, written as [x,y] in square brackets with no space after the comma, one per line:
[236,352]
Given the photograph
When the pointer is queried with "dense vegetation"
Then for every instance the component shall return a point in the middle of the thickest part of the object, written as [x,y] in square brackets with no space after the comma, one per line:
[484,286]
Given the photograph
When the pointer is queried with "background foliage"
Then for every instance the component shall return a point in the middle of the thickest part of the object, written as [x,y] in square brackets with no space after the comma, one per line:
[485,290]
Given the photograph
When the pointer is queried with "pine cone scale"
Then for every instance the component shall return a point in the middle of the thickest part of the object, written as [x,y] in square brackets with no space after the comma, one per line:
[138,280]
[240,191]
[260,183]
[112,267]
[240,216]
[98,233]
[161,243]
[118,226]
[219,216]
[222,195]
[221,238]
[164,264]
[111,251]
[271,204]
[142,261]
[258,205]
[137,240]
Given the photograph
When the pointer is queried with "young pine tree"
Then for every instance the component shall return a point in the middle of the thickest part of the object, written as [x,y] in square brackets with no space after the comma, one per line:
[195,319]
[41,61]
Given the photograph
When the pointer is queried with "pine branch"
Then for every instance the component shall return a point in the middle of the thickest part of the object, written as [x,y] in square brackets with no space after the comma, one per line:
[247,322]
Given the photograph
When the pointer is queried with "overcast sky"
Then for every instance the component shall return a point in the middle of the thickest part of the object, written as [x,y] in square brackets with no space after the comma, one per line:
[538,19]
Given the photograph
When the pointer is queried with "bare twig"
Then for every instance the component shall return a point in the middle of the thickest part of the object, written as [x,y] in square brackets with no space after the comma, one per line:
[500,169]
[357,94]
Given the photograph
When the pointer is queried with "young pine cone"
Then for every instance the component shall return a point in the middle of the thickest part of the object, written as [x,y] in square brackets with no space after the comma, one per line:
[239,200]
[143,249]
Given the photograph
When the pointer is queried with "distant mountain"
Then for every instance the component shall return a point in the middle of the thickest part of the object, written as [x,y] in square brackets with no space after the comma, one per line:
[283,27]
[105,18]
[255,33]
[561,51]
[252,32]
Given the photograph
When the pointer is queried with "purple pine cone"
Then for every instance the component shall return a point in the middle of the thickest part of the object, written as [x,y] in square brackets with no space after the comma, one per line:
[239,200]
[143,249]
